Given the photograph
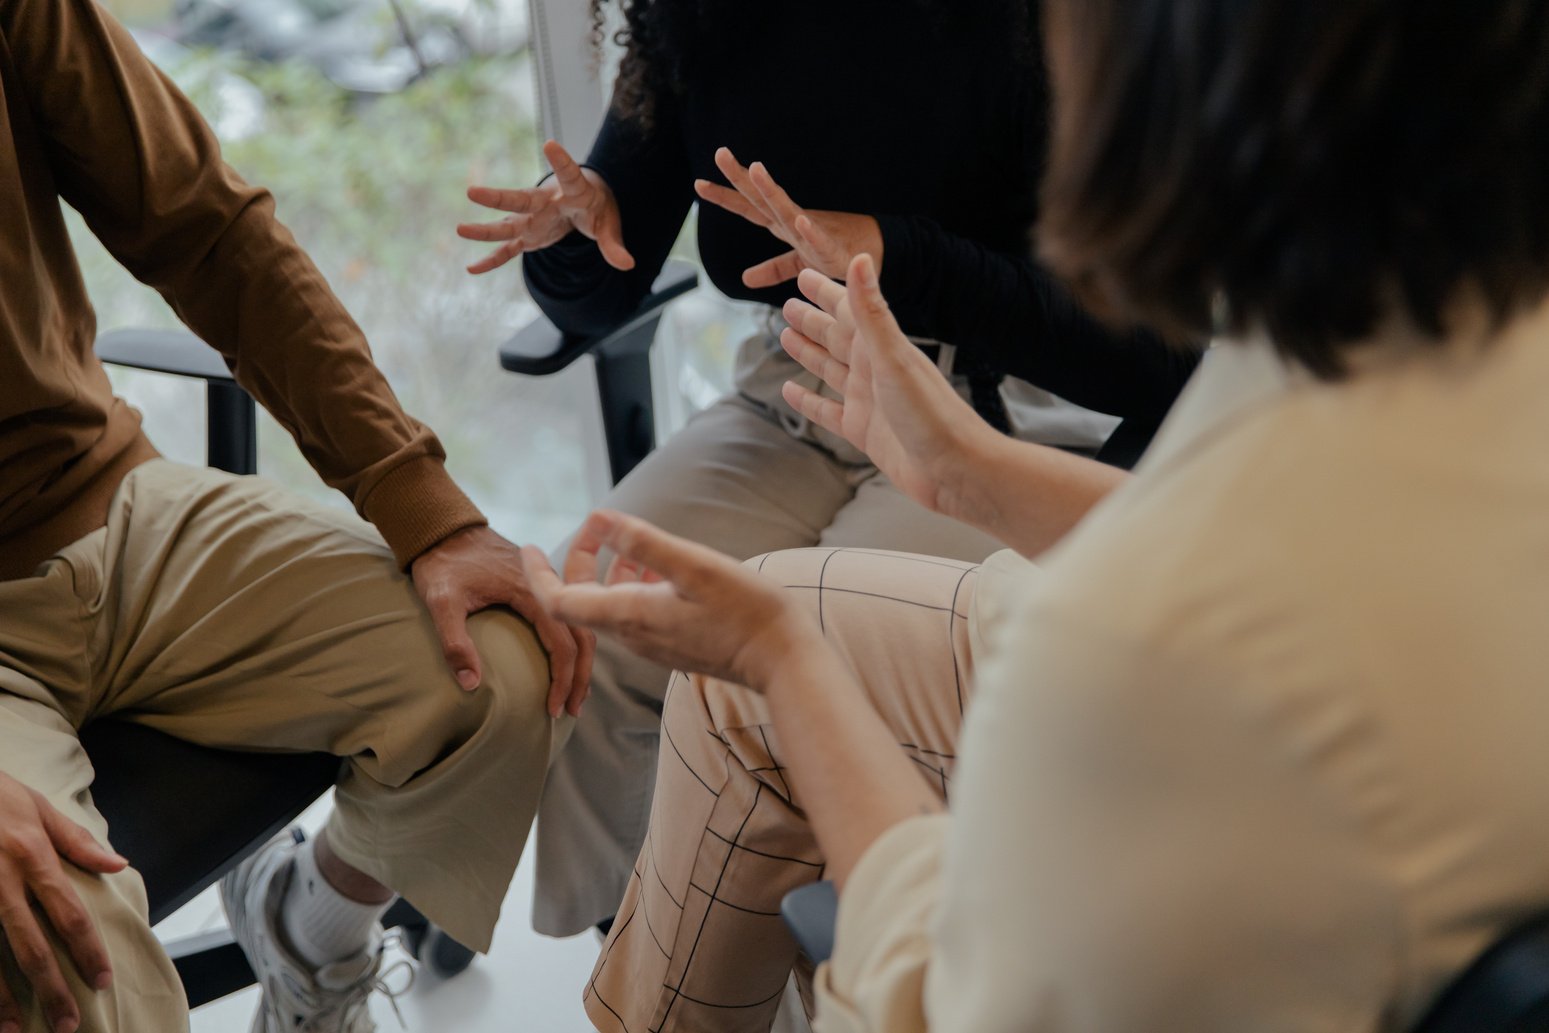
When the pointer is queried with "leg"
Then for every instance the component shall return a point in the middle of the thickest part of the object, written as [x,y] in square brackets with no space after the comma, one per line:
[38,748]
[882,517]
[699,943]
[734,479]
[232,614]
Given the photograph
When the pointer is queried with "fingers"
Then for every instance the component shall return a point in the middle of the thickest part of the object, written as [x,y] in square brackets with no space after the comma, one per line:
[776,201]
[737,176]
[723,197]
[521,202]
[635,540]
[610,241]
[497,258]
[778,270]
[823,292]
[10,1009]
[72,922]
[450,616]
[572,183]
[35,957]
[816,359]
[825,412]
[581,563]
[617,609]
[505,229]
[561,646]
[75,844]
[581,685]
[870,311]
[545,584]
[821,328]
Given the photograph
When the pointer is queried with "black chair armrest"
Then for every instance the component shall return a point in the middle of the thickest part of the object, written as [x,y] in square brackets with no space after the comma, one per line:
[621,361]
[231,442]
[177,352]
[1506,990]
[811,913]
[541,348]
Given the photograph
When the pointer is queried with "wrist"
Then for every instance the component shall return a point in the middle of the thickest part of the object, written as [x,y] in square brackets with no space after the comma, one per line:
[783,650]
[969,467]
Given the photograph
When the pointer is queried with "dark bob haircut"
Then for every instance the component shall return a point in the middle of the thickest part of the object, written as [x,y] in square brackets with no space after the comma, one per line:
[1310,167]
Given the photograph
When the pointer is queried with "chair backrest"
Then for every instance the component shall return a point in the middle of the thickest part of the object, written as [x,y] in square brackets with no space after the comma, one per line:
[1505,991]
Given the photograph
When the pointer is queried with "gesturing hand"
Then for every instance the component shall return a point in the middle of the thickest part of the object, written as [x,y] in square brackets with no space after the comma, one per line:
[476,569]
[894,403]
[35,841]
[674,602]
[825,241]
[575,199]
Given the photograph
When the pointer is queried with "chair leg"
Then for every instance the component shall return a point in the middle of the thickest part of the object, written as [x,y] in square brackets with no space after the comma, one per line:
[211,966]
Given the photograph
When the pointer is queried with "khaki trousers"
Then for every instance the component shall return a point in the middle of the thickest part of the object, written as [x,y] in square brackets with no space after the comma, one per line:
[745,477]
[227,612]
[699,943]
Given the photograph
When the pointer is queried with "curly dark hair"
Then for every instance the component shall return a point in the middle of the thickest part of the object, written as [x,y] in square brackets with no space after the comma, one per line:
[663,40]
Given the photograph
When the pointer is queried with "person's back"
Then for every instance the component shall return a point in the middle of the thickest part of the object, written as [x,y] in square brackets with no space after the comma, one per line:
[1355,586]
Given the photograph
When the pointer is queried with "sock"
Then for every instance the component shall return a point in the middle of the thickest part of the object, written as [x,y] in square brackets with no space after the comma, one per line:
[321,924]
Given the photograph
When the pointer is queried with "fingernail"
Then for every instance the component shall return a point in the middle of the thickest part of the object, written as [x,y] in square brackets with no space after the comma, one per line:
[104,980]
[66,1024]
[468,679]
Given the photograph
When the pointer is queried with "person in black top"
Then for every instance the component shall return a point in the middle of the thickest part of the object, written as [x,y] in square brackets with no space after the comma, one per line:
[913,130]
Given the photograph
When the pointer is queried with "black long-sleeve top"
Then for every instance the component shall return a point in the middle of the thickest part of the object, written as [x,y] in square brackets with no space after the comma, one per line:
[933,122]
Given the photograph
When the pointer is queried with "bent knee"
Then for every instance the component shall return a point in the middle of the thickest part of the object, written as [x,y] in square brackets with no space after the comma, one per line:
[515,688]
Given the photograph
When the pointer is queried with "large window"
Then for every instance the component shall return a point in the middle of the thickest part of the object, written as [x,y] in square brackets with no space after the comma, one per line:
[368,136]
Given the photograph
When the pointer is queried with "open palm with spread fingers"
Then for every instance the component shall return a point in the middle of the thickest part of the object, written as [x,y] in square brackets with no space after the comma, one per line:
[680,604]
[821,240]
[894,403]
[574,199]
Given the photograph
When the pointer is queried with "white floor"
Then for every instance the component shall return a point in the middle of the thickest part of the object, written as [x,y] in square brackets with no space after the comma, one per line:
[526,983]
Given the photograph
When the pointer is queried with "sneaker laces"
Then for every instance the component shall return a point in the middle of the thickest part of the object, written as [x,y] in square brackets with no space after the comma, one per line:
[335,1009]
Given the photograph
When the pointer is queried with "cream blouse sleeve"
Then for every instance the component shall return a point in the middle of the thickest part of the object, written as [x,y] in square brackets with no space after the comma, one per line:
[1137,844]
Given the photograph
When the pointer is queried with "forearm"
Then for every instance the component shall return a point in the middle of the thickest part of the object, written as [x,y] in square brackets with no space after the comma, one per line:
[853,780]
[1023,494]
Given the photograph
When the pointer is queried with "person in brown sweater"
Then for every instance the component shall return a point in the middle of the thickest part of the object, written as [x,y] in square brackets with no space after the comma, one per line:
[222,609]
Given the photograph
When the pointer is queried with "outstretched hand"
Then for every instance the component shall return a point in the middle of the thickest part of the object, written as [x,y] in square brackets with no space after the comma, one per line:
[821,240]
[672,601]
[575,199]
[894,404]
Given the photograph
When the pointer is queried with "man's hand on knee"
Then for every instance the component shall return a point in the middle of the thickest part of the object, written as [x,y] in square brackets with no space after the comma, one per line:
[476,569]
[35,841]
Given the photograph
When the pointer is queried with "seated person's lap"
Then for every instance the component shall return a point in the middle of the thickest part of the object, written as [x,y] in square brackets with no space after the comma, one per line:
[727,838]
[229,612]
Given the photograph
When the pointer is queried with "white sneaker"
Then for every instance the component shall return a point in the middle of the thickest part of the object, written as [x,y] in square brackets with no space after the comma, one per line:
[297,998]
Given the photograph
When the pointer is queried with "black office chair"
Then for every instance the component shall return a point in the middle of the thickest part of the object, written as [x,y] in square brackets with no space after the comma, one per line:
[1506,990]
[184,815]
[622,361]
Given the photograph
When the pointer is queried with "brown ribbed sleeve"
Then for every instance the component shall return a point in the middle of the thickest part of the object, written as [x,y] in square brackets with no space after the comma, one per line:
[134,157]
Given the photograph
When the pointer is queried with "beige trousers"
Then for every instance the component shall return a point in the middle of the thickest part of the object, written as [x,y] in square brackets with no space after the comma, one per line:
[745,477]
[227,612]
[699,943]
